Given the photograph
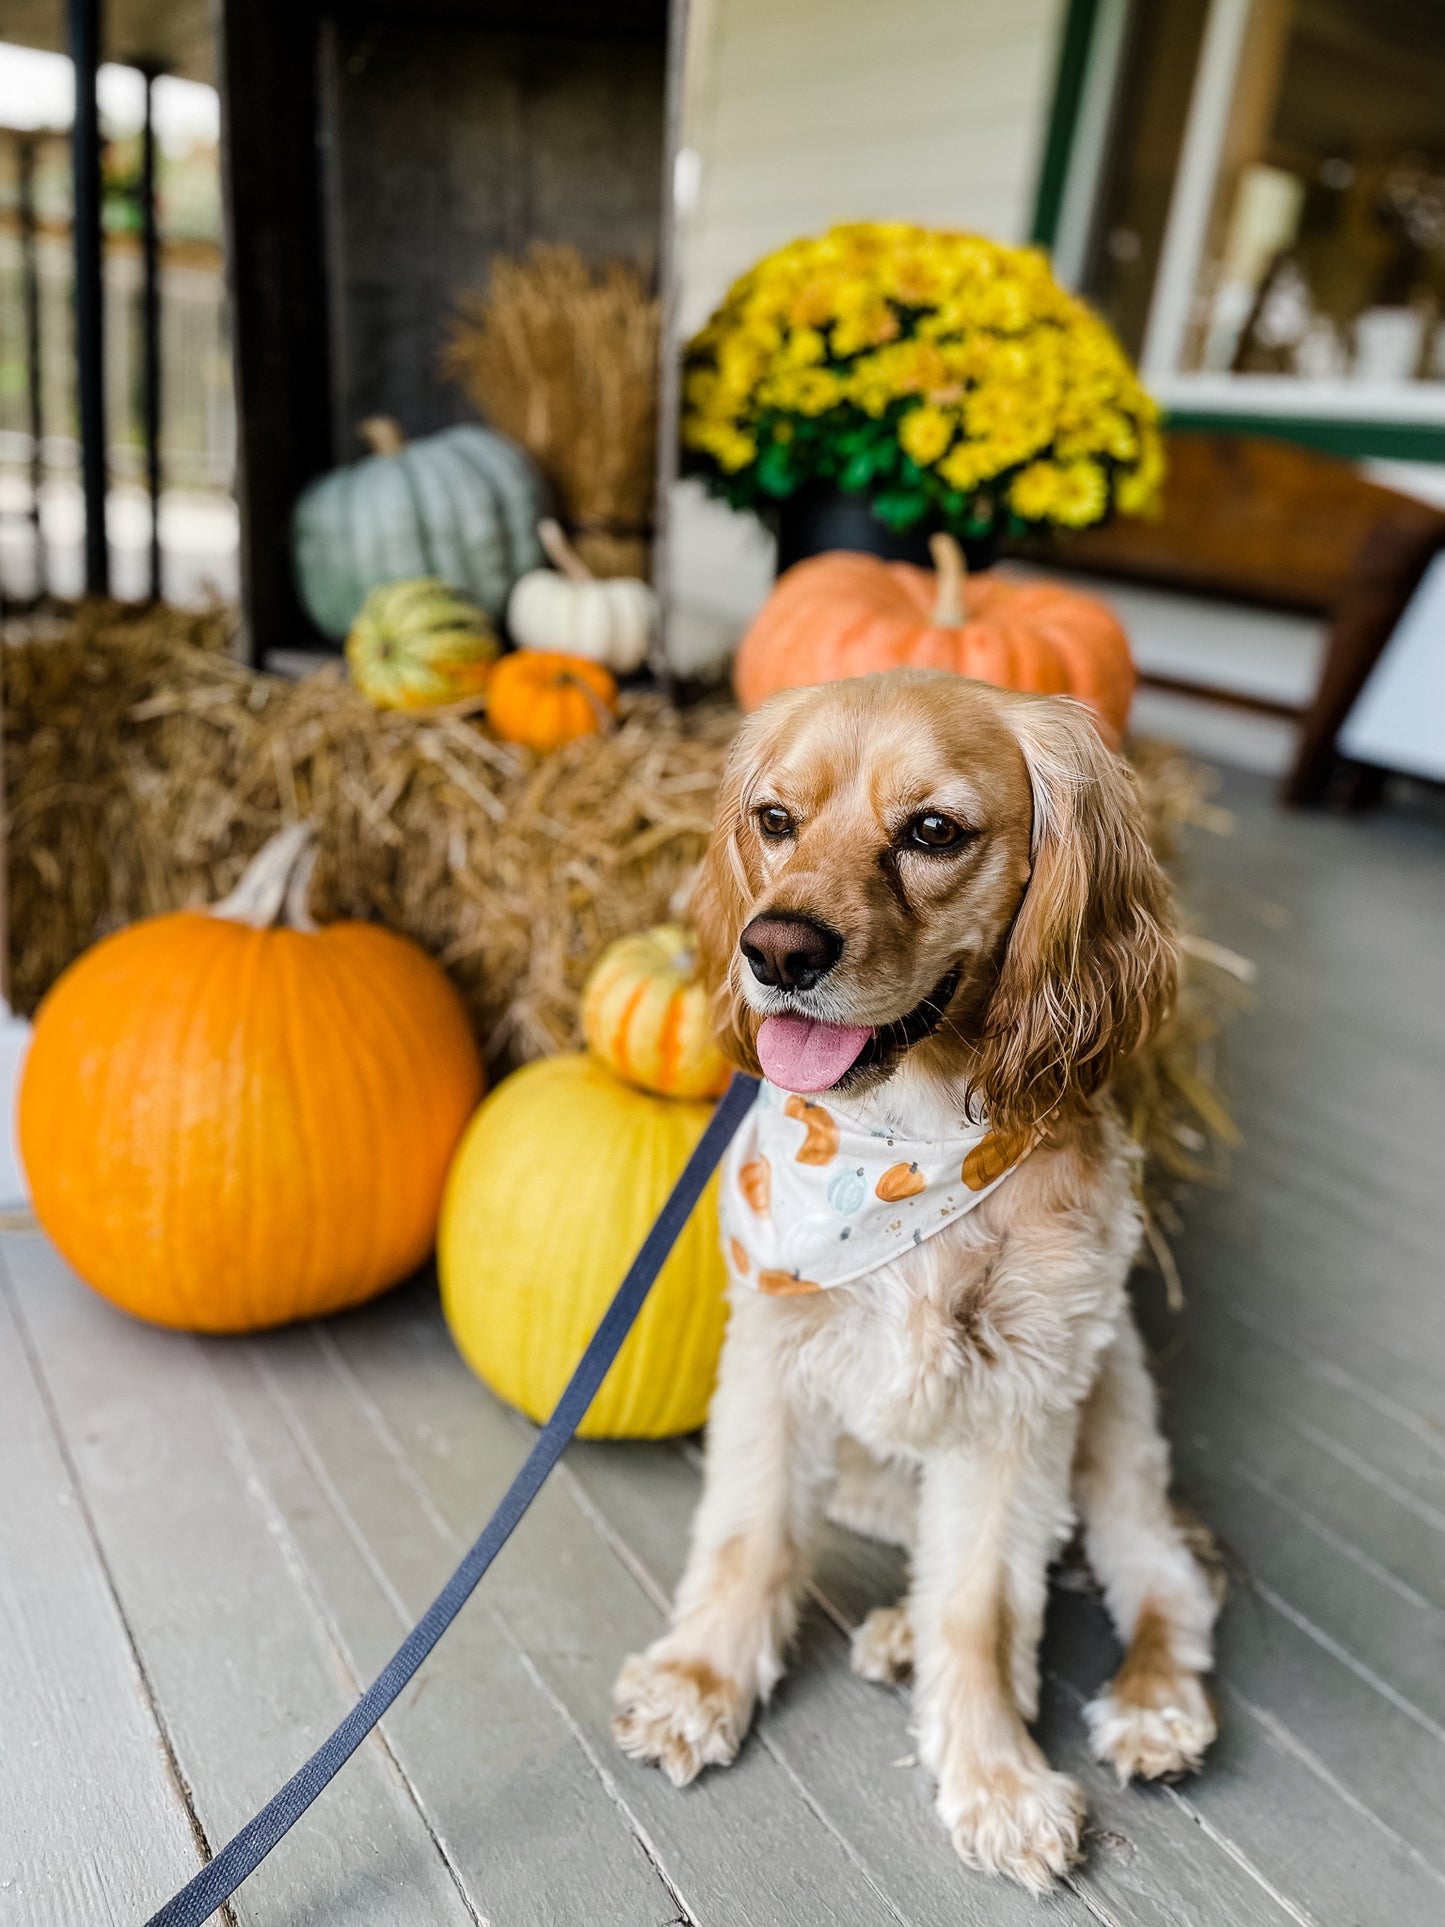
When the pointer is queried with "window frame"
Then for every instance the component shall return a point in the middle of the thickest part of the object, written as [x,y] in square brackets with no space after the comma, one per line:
[1401,421]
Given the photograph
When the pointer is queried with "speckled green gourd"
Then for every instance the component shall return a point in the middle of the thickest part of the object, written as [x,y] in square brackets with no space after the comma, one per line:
[462,505]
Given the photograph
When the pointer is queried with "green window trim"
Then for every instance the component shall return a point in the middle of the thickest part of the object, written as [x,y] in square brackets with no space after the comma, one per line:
[1356,440]
[1080,19]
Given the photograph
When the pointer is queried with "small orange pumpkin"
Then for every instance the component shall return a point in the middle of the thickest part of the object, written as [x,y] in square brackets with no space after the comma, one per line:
[229,1125]
[845,614]
[645,1014]
[543,700]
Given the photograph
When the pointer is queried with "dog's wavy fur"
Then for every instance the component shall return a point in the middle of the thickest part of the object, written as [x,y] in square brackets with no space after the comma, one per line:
[993,1376]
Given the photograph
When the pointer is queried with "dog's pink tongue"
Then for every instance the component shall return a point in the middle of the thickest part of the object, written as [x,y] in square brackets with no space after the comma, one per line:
[800,1054]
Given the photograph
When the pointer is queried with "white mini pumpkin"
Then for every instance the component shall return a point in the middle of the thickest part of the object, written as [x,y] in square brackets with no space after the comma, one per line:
[569,609]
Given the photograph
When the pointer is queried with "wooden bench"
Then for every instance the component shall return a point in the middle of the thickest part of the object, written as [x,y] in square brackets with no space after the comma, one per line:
[1252,518]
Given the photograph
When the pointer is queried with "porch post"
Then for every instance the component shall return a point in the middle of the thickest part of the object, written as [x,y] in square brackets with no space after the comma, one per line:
[151,323]
[34,367]
[275,258]
[89,305]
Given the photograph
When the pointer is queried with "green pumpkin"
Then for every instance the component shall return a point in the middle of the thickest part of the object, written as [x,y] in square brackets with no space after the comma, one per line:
[462,505]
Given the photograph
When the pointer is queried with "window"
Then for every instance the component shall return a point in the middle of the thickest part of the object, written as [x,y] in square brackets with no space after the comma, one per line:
[1270,229]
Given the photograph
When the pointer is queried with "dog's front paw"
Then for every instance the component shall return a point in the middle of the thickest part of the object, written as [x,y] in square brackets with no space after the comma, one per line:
[1017,1819]
[679,1714]
[882,1647]
[1160,1736]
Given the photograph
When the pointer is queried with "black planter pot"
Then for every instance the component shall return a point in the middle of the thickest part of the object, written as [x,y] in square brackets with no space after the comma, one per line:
[816,520]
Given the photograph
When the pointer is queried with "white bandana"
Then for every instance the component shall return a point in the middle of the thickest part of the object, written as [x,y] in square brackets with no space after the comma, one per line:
[811,1198]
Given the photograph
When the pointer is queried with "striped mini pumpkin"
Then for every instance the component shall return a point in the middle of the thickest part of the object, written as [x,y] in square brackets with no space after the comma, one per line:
[419,644]
[645,1016]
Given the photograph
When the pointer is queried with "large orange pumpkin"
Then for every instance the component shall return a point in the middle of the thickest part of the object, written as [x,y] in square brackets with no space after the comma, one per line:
[228,1125]
[844,614]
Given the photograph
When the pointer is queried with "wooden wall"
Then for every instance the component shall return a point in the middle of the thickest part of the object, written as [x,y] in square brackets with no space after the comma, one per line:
[449,140]
[816,111]
[376,154]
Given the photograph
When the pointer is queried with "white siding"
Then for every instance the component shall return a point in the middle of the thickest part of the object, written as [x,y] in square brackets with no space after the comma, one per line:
[802,113]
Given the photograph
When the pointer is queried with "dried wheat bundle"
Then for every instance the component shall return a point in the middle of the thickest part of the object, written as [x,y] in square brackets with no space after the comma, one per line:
[562,357]
[144,768]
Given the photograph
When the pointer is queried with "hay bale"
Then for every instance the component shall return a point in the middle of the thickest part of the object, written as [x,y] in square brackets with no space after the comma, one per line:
[145,767]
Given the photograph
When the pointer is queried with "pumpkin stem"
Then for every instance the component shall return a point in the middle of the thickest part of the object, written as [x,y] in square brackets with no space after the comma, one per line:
[605,718]
[276,883]
[382,434]
[948,559]
[297,912]
[560,552]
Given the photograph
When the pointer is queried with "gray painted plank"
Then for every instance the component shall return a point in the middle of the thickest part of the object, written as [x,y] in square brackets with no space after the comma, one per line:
[1147,1861]
[1399,1531]
[1272,1246]
[1305,1567]
[1325,1402]
[1329,1235]
[748,1846]
[521,1811]
[246,1672]
[1287,1310]
[1370,1159]
[1269,1797]
[76,1723]
[1378,1756]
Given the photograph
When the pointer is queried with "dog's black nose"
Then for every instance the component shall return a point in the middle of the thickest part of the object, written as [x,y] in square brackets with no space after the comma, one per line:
[789,953]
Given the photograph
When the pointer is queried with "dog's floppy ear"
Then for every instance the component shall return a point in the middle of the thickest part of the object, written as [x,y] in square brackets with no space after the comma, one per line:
[720,906]
[1091,965]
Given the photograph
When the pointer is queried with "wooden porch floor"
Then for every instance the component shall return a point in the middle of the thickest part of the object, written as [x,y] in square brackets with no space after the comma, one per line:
[204,1547]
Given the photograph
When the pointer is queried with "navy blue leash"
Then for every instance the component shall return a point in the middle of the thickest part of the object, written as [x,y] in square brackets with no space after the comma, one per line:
[240,1857]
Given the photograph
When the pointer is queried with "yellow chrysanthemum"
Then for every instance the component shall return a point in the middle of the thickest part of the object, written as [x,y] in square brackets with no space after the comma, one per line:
[924,433]
[803,391]
[1034,494]
[1083,495]
[805,346]
[990,371]
[967,464]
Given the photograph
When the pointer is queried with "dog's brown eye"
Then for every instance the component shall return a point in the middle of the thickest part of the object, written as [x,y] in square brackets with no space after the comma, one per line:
[773,820]
[932,831]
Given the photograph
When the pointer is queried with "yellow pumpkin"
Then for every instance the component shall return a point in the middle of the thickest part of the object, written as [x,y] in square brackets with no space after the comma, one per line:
[228,1125]
[646,1016]
[557,1181]
[420,645]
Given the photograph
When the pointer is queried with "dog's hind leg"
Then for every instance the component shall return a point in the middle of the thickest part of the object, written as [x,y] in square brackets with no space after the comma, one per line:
[882,1645]
[1155,1719]
[878,1498]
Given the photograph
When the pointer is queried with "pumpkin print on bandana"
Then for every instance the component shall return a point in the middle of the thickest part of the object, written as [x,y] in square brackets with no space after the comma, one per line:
[812,1198]
[820,1146]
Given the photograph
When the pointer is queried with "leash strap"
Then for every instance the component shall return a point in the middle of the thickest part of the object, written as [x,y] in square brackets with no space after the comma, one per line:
[240,1857]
